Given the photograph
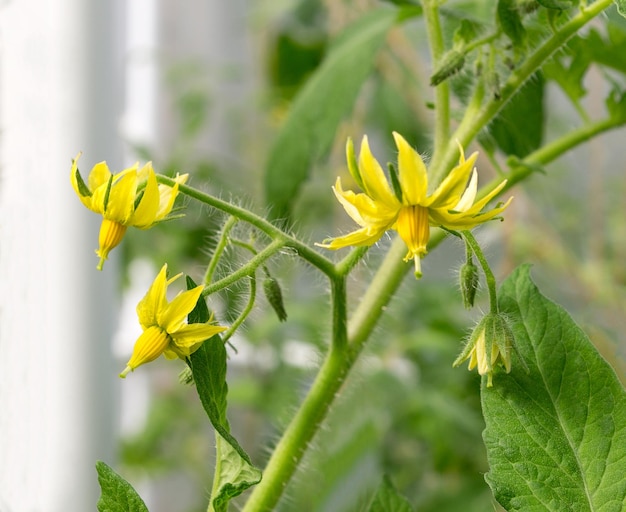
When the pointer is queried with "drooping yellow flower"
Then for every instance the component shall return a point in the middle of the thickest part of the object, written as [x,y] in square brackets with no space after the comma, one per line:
[408,208]
[131,197]
[491,344]
[165,330]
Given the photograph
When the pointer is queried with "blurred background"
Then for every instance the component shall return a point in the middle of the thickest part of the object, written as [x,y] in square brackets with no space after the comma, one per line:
[203,87]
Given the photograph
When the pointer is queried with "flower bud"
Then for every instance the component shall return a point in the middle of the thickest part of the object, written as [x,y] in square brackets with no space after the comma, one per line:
[451,63]
[468,281]
[274,296]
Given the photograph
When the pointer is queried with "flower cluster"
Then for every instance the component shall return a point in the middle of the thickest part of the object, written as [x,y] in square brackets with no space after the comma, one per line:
[408,208]
[131,197]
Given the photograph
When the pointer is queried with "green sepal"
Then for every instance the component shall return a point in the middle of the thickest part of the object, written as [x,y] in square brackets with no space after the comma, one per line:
[469,345]
[621,7]
[117,494]
[395,181]
[353,165]
[82,186]
[107,193]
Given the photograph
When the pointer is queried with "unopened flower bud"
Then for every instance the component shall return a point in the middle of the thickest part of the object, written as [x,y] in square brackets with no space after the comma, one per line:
[274,296]
[468,281]
[451,63]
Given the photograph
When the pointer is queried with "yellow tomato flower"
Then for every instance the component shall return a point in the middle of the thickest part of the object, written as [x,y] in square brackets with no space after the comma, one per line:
[491,343]
[408,208]
[131,197]
[165,330]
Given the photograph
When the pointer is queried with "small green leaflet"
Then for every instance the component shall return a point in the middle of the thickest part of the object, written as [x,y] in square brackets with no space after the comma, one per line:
[555,437]
[621,7]
[387,499]
[208,365]
[117,494]
[510,21]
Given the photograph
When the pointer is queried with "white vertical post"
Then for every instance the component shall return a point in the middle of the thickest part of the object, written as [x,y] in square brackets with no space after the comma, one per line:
[59,91]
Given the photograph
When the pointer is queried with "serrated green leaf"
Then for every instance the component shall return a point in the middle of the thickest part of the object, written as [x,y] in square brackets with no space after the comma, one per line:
[555,437]
[570,78]
[518,129]
[322,103]
[621,7]
[117,494]
[208,367]
[467,31]
[510,21]
[387,499]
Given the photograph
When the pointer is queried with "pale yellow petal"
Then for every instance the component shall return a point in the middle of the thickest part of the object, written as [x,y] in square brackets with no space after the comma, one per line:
[451,189]
[121,200]
[463,220]
[150,345]
[168,196]
[365,236]
[146,212]
[412,172]
[479,205]
[374,180]
[191,334]
[468,197]
[98,176]
[172,317]
[154,300]
[362,208]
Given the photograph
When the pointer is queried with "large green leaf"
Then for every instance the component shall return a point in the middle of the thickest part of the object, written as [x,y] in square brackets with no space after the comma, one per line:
[323,102]
[556,436]
[208,365]
[117,494]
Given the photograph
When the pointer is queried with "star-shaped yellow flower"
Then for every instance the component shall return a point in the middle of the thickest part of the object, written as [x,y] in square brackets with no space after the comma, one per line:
[165,330]
[408,208]
[131,197]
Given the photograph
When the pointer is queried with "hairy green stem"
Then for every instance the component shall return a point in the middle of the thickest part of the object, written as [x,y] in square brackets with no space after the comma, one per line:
[219,249]
[347,343]
[489,277]
[555,149]
[470,126]
[247,270]
[244,313]
[442,90]
[307,253]
[294,442]
[216,472]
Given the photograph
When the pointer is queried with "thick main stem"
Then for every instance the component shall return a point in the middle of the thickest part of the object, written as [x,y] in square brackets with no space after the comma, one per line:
[294,442]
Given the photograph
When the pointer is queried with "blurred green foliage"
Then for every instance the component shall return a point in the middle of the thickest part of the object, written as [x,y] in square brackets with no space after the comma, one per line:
[404,411]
